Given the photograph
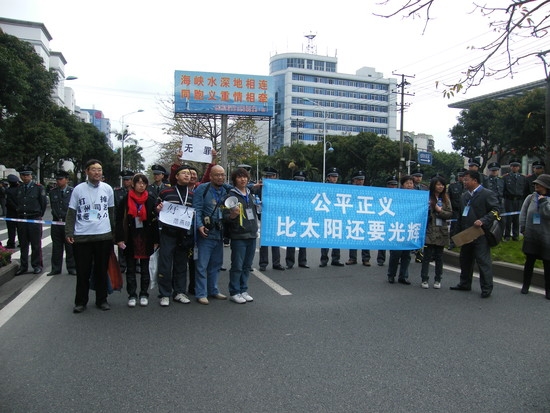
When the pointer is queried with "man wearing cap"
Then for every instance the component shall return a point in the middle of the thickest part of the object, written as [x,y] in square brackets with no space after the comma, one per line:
[474,164]
[11,209]
[269,173]
[291,251]
[158,185]
[391,182]
[59,203]
[494,182]
[358,178]
[31,205]
[514,186]
[538,169]
[331,178]
[417,180]
[455,191]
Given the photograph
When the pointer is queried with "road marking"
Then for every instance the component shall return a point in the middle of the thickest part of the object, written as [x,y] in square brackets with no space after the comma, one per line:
[45,242]
[270,283]
[23,298]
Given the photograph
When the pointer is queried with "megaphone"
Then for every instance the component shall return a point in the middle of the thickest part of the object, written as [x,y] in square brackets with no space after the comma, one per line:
[231,202]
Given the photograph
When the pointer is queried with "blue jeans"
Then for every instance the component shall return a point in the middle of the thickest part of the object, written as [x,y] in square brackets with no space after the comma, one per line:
[242,255]
[207,266]
[397,257]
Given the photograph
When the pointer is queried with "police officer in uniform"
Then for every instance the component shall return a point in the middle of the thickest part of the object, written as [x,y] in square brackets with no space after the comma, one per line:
[495,182]
[538,168]
[514,186]
[157,186]
[332,178]
[358,178]
[455,191]
[59,203]
[473,165]
[31,205]
[417,180]
[119,194]
[291,251]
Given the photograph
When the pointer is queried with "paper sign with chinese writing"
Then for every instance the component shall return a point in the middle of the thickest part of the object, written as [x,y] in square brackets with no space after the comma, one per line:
[177,215]
[196,149]
[321,215]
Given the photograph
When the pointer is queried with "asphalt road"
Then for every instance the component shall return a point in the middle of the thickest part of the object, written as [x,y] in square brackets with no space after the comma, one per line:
[328,339]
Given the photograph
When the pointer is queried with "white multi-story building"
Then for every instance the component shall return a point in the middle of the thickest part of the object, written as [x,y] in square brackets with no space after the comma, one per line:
[312,100]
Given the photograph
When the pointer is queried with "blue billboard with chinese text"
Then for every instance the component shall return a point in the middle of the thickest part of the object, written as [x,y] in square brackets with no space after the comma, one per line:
[223,94]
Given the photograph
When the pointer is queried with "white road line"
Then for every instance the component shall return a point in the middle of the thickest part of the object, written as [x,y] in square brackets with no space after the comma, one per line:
[45,242]
[270,283]
[23,298]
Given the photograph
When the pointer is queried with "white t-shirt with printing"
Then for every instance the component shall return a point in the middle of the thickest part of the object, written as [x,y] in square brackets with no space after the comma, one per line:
[91,204]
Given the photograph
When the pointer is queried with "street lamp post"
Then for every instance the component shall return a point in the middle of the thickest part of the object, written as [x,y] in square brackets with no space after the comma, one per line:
[123,138]
[324,134]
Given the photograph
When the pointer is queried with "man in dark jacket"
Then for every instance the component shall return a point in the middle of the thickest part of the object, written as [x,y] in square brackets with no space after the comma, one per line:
[479,207]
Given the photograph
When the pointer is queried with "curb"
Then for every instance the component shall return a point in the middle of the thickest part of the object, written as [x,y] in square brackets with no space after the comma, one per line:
[7,272]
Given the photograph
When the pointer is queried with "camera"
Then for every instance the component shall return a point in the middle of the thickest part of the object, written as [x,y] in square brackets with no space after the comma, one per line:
[208,223]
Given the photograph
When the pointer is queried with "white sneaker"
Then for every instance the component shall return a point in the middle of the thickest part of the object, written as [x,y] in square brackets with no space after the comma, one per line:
[143,301]
[238,298]
[425,284]
[247,296]
[132,302]
[182,298]
[164,301]
[437,285]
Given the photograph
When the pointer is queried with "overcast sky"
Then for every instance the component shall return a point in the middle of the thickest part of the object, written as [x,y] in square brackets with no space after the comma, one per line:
[124,53]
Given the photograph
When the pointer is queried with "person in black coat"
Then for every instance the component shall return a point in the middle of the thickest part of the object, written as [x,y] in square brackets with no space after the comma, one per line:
[479,207]
[137,236]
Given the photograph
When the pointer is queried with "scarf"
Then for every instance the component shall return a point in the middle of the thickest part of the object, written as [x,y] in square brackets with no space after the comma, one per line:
[136,204]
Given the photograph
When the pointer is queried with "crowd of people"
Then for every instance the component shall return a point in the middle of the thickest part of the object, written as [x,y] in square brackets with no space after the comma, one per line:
[188,222]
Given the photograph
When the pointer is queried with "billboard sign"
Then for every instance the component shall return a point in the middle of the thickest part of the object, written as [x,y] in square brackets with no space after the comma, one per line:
[223,94]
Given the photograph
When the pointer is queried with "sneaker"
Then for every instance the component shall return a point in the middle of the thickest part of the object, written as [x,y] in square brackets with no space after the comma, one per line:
[164,301]
[247,297]
[132,302]
[238,298]
[143,301]
[182,298]
[203,301]
[437,285]
[426,285]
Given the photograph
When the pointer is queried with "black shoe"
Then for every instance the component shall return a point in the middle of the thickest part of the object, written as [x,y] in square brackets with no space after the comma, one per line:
[323,264]
[278,267]
[54,273]
[303,266]
[337,264]
[104,306]
[525,290]
[37,270]
[72,272]
[223,269]
[380,264]
[21,271]
[10,246]
[459,287]
[262,268]
[351,262]
[78,308]
[391,279]
[485,294]
[403,281]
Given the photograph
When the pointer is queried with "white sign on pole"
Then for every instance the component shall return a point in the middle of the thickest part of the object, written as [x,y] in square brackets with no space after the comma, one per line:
[177,215]
[196,149]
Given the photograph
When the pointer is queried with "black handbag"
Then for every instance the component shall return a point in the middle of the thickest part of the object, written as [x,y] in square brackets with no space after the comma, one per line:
[495,232]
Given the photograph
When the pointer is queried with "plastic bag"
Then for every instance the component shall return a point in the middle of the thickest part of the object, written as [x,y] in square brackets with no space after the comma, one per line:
[154,269]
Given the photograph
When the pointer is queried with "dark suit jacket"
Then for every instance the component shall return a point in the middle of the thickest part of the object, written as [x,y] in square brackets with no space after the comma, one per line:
[482,205]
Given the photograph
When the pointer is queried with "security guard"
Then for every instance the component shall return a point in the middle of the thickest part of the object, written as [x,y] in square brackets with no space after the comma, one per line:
[332,178]
[31,205]
[417,180]
[291,251]
[358,178]
[495,182]
[473,165]
[455,191]
[11,209]
[514,186]
[158,185]
[538,168]
[59,203]
[119,194]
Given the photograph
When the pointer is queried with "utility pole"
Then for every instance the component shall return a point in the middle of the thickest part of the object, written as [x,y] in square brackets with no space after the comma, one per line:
[402,85]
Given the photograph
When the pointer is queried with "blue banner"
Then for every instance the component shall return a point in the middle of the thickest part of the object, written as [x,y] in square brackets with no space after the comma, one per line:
[322,215]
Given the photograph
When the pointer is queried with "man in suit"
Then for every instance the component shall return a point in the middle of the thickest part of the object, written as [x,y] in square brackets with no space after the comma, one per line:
[479,207]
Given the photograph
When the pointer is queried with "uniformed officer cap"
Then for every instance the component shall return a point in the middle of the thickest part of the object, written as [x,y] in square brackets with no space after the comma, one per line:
[269,171]
[418,173]
[158,170]
[358,175]
[460,171]
[245,166]
[474,161]
[126,174]
[25,170]
[59,174]
[392,180]
[13,178]
[299,176]
[494,166]
[333,171]
[539,164]
[515,162]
